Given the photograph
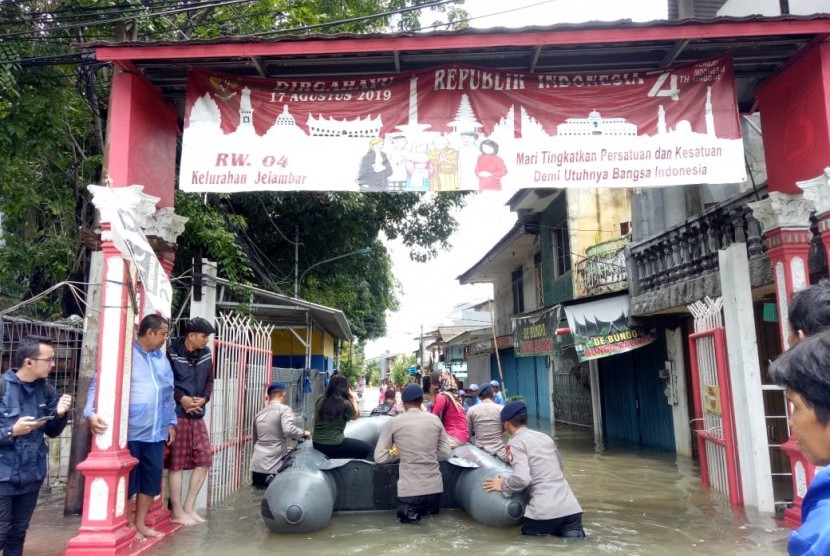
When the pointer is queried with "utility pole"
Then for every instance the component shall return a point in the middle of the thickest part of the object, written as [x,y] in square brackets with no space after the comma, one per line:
[421,349]
[81,437]
[296,261]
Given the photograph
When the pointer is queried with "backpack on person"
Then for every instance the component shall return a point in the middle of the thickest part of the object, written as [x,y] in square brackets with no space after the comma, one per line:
[382,409]
[49,392]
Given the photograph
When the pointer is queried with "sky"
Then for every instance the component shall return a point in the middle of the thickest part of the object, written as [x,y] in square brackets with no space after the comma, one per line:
[430,291]
[522,13]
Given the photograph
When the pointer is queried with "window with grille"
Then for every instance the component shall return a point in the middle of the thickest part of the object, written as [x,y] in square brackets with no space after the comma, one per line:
[561,245]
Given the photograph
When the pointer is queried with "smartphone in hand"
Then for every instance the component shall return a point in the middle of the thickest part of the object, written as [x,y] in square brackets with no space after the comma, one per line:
[45,418]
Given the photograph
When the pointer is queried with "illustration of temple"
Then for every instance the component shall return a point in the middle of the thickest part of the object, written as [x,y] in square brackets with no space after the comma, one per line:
[465,120]
[285,119]
[365,128]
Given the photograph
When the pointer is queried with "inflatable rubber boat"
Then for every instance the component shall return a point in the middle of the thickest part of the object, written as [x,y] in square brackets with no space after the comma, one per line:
[310,487]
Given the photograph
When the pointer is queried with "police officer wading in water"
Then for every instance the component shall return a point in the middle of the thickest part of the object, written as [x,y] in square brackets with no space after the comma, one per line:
[419,441]
[550,506]
[273,426]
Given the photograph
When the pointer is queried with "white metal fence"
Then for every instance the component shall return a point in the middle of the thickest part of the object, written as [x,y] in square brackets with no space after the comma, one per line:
[713,400]
[242,370]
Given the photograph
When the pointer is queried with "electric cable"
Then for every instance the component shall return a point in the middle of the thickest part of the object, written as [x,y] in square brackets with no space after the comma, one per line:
[468,19]
[213,4]
[83,11]
[358,19]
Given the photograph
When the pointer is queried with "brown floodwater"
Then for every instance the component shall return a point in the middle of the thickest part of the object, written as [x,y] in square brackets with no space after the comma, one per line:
[635,503]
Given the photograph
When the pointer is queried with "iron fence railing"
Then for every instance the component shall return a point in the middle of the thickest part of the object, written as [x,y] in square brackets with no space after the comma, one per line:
[242,368]
[603,269]
[691,248]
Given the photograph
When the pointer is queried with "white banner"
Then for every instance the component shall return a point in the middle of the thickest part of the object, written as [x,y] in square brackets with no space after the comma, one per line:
[462,128]
[133,245]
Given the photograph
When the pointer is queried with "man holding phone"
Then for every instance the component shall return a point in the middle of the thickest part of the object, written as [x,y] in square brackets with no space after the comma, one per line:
[29,408]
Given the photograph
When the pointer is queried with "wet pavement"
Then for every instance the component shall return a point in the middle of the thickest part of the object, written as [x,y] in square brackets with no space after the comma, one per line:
[635,503]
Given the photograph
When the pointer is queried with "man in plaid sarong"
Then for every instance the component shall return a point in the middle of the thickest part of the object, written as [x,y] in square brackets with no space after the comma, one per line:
[192,364]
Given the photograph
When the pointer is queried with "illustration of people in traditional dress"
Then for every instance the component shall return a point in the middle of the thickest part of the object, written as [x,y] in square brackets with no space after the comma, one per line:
[375,168]
[444,165]
[397,154]
[490,168]
[418,168]
[467,160]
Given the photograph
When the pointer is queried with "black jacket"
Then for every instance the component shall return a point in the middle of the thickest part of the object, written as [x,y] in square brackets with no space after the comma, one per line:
[23,458]
[192,375]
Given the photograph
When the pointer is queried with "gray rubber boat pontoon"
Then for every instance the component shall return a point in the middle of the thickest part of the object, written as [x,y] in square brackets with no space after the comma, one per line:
[310,487]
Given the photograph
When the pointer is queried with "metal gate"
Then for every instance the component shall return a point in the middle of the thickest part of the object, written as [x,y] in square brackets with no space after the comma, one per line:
[713,401]
[242,371]
[571,391]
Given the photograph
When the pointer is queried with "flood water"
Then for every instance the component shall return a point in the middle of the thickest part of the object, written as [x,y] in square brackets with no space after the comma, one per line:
[634,503]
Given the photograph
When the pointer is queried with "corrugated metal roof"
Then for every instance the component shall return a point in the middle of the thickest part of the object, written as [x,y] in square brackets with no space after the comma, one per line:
[284,311]
[758,45]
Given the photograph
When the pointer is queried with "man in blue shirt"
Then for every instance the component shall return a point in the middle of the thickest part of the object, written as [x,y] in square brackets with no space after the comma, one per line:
[152,421]
[472,395]
[497,396]
[804,372]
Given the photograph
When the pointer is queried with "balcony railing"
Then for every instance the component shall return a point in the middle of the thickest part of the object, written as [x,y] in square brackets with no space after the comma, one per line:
[603,269]
[691,249]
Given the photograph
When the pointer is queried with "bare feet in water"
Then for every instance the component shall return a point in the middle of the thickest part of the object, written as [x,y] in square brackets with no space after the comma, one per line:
[146,532]
[196,517]
[184,518]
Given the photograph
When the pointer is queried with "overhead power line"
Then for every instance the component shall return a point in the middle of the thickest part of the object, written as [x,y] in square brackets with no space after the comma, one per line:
[292,30]
[433,4]
[184,9]
[81,12]
[468,19]
[51,59]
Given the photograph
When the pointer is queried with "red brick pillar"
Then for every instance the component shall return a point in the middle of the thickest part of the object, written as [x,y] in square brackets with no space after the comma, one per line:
[142,131]
[103,524]
[107,468]
[817,190]
[786,222]
[795,109]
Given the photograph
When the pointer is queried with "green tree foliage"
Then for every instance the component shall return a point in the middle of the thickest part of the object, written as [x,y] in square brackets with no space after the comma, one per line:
[400,369]
[371,369]
[48,154]
[52,121]
[352,359]
[329,225]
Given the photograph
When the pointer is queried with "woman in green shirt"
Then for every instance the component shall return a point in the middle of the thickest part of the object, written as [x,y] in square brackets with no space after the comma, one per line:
[333,410]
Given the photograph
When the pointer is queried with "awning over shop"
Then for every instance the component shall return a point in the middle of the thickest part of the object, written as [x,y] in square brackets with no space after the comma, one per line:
[600,328]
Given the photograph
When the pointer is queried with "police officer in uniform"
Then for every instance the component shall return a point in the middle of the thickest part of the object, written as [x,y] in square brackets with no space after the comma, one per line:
[550,506]
[419,441]
[272,426]
[484,422]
